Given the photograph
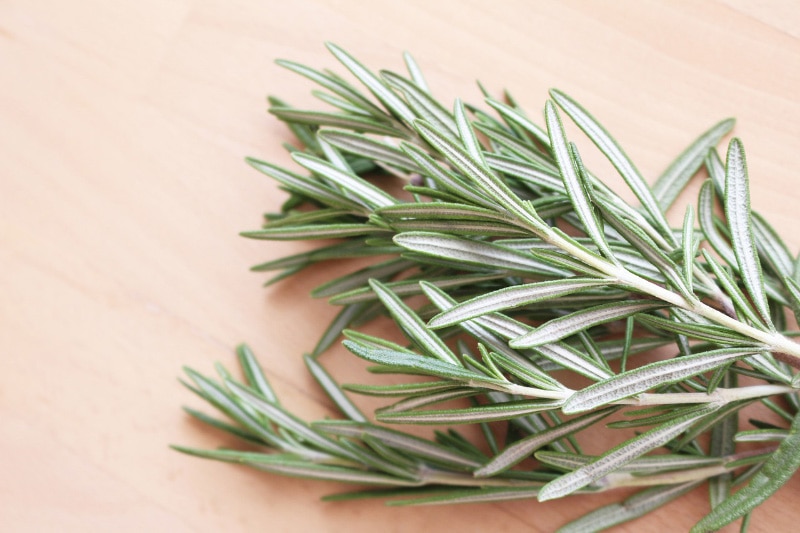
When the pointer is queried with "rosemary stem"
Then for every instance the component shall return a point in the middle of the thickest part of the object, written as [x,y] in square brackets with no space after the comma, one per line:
[789,351]
[720,396]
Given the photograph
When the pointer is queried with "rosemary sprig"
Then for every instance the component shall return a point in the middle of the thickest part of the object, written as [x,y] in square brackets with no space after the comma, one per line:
[531,265]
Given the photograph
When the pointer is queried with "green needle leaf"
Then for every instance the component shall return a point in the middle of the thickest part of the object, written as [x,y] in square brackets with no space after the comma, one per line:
[399,441]
[470,415]
[334,85]
[423,105]
[296,467]
[737,211]
[567,325]
[575,182]
[333,390]
[415,71]
[474,252]
[359,144]
[480,175]
[619,456]
[308,186]
[336,120]
[669,185]
[618,158]
[525,447]
[650,376]
[371,196]
[376,86]
[511,298]
[633,507]
[413,326]
[776,471]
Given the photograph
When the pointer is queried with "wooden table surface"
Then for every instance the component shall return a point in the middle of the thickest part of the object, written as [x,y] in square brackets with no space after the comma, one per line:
[123,126]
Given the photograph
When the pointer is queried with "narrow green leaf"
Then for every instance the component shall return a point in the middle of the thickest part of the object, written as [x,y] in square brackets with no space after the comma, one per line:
[441,211]
[562,327]
[222,400]
[771,247]
[470,496]
[376,86]
[507,144]
[356,143]
[370,341]
[515,116]
[716,170]
[523,448]
[415,402]
[422,103]
[737,211]
[618,456]
[650,376]
[563,260]
[702,331]
[360,277]
[689,246]
[307,186]
[467,135]
[341,103]
[510,298]
[343,320]
[340,250]
[446,180]
[418,364]
[673,180]
[524,171]
[333,156]
[286,420]
[731,288]
[526,371]
[287,465]
[334,85]
[400,441]
[470,415]
[649,464]
[413,326]
[254,373]
[313,231]
[403,389]
[502,355]
[649,250]
[308,217]
[573,175]
[777,469]
[567,357]
[409,287]
[415,72]
[600,137]
[705,212]
[762,435]
[481,176]
[336,120]
[464,228]
[332,389]
[633,507]
[474,252]
[366,193]
[224,426]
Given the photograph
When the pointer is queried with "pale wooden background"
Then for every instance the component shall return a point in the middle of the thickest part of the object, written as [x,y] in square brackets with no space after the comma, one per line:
[122,131]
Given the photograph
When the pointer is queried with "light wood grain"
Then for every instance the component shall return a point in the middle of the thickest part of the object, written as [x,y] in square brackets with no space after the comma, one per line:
[122,189]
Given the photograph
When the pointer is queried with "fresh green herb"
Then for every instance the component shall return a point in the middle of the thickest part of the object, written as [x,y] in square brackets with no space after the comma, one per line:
[533,269]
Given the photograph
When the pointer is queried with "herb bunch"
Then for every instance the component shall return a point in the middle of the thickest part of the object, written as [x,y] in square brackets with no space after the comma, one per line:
[532,269]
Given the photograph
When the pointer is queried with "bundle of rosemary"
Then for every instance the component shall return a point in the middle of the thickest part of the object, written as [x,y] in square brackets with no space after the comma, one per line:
[533,275]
